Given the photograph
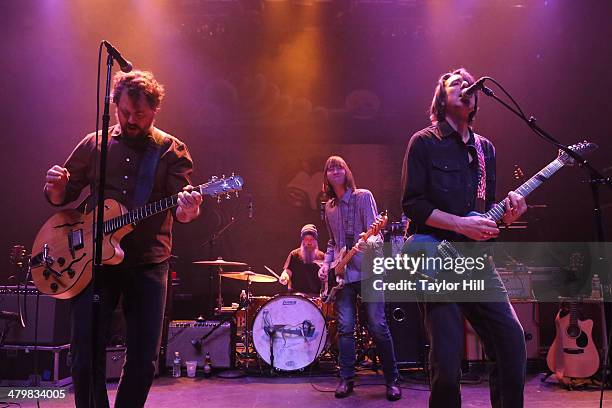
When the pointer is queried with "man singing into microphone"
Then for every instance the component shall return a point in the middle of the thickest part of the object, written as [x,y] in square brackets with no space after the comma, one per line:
[449,171]
[138,154]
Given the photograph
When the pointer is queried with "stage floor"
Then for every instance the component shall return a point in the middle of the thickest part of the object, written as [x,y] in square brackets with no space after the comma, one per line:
[300,392]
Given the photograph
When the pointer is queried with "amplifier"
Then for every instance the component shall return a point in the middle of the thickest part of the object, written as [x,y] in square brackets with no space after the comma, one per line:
[53,317]
[518,284]
[408,333]
[184,336]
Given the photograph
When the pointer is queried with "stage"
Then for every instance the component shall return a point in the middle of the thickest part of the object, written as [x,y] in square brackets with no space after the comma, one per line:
[283,391]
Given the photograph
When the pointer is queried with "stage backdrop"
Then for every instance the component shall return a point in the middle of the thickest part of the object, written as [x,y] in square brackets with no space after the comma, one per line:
[270,89]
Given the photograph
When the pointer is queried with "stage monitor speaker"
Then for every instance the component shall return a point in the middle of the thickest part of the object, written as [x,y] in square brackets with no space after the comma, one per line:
[527,313]
[407,330]
[53,317]
[184,336]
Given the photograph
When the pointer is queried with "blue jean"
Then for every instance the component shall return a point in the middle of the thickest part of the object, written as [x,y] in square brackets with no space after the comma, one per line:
[143,293]
[504,342]
[377,324]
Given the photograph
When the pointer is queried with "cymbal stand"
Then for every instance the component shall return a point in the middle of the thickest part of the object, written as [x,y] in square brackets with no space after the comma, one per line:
[247,332]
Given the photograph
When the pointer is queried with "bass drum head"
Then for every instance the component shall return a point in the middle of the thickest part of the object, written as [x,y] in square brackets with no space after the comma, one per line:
[297,328]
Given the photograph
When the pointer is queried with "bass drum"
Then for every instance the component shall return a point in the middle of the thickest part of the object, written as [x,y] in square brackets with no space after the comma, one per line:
[294,328]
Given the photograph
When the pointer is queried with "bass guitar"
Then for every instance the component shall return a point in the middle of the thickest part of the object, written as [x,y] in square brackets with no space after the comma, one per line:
[62,254]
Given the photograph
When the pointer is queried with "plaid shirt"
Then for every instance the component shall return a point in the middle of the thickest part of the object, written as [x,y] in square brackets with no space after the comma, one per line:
[336,212]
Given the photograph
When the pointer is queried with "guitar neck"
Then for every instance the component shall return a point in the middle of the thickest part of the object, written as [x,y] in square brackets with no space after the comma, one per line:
[140,214]
[497,211]
[573,313]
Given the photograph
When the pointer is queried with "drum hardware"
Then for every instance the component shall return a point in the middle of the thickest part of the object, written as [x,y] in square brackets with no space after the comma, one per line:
[246,299]
[220,263]
[365,348]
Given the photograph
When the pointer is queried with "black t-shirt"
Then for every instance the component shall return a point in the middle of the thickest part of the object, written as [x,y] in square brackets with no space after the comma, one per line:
[304,277]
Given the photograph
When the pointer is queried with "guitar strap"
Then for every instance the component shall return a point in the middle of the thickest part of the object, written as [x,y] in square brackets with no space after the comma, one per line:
[146,174]
[349,222]
[481,190]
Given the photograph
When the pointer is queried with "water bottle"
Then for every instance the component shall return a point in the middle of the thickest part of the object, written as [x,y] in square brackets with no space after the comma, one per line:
[596,287]
[207,365]
[243,297]
[176,365]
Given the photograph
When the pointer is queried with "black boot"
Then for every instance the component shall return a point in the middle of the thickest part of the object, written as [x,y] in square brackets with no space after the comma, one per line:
[344,388]
[394,392]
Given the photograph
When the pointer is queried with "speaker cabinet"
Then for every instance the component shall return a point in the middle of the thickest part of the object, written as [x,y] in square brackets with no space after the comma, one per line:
[407,330]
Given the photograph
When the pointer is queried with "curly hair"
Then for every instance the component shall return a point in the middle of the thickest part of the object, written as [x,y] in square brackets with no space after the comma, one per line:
[437,111]
[349,181]
[138,83]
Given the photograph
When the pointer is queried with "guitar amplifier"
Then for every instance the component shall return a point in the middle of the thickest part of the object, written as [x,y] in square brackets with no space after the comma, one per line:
[518,284]
[53,317]
[185,337]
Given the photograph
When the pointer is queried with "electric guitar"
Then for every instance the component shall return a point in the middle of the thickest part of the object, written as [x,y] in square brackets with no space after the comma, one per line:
[62,258]
[342,258]
[573,353]
[429,247]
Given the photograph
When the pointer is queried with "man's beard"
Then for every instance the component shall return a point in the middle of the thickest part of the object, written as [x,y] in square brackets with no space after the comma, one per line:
[308,256]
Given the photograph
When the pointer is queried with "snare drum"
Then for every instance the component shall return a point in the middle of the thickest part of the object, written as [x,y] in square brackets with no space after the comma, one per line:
[296,329]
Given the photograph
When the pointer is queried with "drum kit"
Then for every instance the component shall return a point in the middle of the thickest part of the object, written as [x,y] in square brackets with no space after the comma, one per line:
[288,331]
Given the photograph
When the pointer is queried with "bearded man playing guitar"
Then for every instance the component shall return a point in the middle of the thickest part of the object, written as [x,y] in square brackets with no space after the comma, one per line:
[139,155]
[348,213]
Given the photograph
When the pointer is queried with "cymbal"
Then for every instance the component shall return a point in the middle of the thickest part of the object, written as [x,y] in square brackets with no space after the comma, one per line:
[248,275]
[220,262]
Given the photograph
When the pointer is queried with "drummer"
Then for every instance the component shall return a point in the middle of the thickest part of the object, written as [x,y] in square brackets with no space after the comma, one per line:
[300,272]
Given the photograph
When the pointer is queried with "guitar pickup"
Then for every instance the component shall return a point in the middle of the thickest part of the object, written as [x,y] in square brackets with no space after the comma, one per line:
[75,241]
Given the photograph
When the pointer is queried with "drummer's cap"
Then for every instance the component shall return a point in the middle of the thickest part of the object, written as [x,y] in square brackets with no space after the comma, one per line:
[309,229]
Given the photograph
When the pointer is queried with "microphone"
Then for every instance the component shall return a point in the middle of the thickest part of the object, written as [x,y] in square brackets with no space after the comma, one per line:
[125,65]
[470,90]
[250,208]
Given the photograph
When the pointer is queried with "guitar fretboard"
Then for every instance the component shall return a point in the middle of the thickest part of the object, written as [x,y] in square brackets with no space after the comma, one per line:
[212,188]
[497,211]
[140,213]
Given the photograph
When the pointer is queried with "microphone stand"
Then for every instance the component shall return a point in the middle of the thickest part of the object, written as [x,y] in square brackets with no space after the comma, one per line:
[99,231]
[271,333]
[211,246]
[596,179]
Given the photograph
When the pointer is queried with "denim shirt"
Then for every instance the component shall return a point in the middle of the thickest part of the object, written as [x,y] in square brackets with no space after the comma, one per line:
[365,214]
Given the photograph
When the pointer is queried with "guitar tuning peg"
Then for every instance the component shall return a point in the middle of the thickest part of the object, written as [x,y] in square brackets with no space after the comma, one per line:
[236,194]
[223,176]
[227,196]
[233,174]
[218,199]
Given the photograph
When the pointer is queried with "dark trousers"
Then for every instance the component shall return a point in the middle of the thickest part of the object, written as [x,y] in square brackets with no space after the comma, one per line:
[504,343]
[143,293]
[377,324]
